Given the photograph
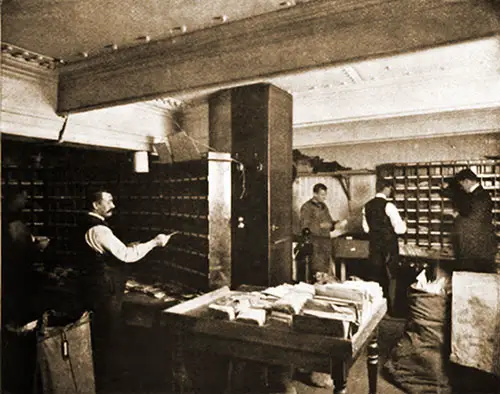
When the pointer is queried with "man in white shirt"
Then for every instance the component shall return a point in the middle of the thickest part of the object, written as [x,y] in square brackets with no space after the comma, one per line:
[381,220]
[101,262]
[100,238]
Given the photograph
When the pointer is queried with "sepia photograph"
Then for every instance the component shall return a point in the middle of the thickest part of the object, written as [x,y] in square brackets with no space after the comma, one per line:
[250,197]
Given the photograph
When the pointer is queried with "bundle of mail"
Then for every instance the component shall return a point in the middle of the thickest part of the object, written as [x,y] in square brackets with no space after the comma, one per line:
[164,291]
[440,285]
[339,309]
[330,309]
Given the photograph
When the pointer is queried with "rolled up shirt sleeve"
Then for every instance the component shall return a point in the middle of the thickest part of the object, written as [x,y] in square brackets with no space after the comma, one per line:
[364,222]
[398,224]
[101,239]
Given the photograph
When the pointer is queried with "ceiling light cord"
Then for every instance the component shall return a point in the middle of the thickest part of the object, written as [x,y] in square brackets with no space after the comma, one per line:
[241,166]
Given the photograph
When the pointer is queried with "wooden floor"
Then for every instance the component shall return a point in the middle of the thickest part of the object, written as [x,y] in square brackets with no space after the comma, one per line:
[143,361]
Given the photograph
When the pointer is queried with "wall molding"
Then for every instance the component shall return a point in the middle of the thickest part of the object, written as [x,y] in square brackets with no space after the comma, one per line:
[431,125]
[495,105]
[393,100]
[29,96]
[392,139]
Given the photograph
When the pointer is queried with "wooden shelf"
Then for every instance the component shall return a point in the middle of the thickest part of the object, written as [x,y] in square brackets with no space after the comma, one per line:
[416,195]
[344,177]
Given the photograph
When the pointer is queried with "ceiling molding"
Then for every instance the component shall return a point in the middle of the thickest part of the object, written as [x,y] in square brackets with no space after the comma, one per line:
[360,141]
[27,58]
[437,124]
[394,115]
[81,29]
[463,75]
[270,27]
[20,67]
[307,36]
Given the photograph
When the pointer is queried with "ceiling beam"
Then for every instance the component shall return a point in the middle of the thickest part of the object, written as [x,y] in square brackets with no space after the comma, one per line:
[312,34]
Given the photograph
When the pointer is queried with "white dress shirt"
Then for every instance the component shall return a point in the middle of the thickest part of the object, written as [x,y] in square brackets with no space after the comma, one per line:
[392,212]
[101,239]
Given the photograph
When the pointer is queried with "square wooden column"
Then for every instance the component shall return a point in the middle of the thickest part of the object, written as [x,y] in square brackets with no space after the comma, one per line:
[254,124]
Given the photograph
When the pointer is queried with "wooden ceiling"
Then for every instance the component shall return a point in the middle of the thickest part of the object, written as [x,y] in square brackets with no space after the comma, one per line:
[331,82]
[68,29]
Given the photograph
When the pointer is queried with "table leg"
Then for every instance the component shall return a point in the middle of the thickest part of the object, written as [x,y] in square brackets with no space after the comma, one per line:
[372,362]
[229,379]
[339,376]
[343,270]
[179,373]
[307,270]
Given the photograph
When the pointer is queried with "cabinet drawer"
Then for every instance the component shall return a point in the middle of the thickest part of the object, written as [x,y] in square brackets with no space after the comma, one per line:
[350,248]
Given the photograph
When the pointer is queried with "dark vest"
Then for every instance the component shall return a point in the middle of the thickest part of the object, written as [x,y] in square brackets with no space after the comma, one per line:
[102,275]
[89,259]
[382,235]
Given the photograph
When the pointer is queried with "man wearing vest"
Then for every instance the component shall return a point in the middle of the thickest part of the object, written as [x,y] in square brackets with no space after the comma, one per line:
[381,220]
[102,257]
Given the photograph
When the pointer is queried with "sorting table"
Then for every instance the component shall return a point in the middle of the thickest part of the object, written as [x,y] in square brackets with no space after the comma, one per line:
[194,329]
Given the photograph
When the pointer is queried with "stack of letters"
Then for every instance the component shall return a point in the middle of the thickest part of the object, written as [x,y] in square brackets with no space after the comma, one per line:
[335,309]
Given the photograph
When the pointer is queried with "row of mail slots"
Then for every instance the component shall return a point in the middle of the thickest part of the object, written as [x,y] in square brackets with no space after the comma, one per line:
[171,197]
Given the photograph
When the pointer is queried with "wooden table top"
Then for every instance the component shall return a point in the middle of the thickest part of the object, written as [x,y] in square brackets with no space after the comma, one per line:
[191,318]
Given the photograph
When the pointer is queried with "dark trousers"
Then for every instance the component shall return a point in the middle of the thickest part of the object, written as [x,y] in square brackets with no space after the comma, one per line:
[105,332]
[322,253]
[383,265]
[102,293]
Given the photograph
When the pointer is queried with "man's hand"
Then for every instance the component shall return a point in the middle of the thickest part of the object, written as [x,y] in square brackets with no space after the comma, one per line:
[41,242]
[341,225]
[162,239]
[324,225]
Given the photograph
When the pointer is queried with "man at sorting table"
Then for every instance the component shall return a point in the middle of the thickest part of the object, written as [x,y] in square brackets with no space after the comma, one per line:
[101,262]
[316,221]
[315,216]
[381,220]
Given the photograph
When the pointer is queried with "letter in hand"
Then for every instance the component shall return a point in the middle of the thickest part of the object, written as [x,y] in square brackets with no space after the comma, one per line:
[325,225]
[340,229]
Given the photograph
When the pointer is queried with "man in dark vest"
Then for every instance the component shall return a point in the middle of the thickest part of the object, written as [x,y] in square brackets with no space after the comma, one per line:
[102,274]
[381,220]
[474,234]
